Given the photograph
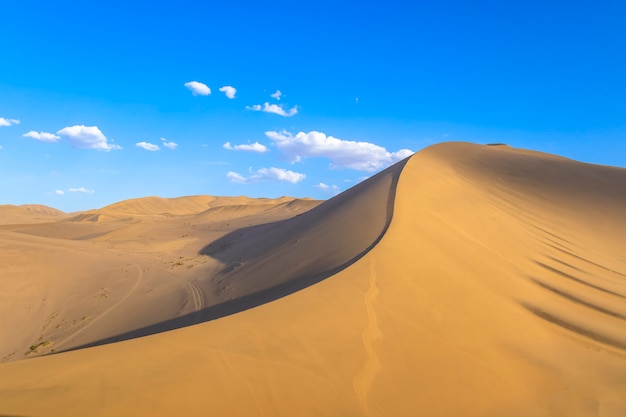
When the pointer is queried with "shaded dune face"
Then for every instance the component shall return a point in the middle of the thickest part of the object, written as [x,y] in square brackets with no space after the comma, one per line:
[308,247]
[262,263]
[467,281]
[85,278]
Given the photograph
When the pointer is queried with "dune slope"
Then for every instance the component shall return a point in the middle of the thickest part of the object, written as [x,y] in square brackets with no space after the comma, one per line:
[264,261]
[498,289]
[29,213]
[105,273]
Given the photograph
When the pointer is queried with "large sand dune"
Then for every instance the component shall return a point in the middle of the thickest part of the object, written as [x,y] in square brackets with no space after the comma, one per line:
[467,281]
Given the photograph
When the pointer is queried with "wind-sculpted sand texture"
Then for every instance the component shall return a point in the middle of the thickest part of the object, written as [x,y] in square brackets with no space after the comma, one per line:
[498,288]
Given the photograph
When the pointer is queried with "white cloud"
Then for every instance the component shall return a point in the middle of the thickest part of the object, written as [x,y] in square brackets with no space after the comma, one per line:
[254,147]
[274,108]
[147,146]
[329,189]
[361,156]
[267,174]
[198,89]
[8,122]
[59,192]
[42,136]
[238,178]
[169,145]
[229,91]
[80,190]
[278,109]
[277,95]
[87,137]
[0,146]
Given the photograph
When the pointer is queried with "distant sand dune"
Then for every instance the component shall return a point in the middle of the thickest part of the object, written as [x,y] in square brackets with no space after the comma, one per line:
[467,281]
[29,213]
[183,205]
[53,262]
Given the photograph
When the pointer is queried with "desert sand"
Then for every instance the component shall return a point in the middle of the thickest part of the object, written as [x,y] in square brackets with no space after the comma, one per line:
[467,280]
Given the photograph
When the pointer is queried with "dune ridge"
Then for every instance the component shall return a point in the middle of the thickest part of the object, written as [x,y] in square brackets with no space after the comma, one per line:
[183,205]
[496,289]
[29,213]
[267,259]
[262,263]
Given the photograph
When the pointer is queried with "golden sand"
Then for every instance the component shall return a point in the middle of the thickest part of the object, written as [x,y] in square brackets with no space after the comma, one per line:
[467,281]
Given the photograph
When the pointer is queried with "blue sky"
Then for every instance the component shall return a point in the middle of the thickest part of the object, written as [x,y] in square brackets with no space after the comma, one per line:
[87,88]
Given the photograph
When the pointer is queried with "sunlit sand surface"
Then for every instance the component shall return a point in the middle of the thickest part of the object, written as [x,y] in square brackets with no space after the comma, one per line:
[467,280]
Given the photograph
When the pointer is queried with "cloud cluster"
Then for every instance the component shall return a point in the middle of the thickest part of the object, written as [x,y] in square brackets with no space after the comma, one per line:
[87,137]
[276,95]
[198,88]
[254,147]
[80,190]
[147,146]
[360,156]
[8,122]
[329,189]
[153,147]
[169,144]
[90,137]
[274,108]
[267,174]
[229,91]
[42,136]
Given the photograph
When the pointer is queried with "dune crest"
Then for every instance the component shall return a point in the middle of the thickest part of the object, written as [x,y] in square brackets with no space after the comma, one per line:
[317,242]
[29,213]
[497,288]
[182,205]
[263,262]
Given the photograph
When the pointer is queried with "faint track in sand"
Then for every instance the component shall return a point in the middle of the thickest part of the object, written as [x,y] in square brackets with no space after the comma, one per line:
[371,333]
[140,273]
[244,382]
[197,297]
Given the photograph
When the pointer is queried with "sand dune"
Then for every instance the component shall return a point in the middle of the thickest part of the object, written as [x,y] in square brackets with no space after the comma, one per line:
[182,205]
[471,280]
[29,213]
[259,252]
[104,273]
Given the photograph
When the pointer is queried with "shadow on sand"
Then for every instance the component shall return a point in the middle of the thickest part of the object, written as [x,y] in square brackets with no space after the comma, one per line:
[234,249]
